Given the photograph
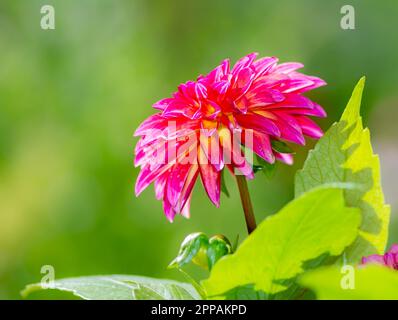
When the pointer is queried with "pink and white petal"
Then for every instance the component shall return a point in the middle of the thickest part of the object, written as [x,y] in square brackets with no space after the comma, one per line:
[262,146]
[289,128]
[168,209]
[211,179]
[162,104]
[244,62]
[288,67]
[373,259]
[393,249]
[309,127]
[154,122]
[185,212]
[147,176]
[175,182]
[188,186]
[258,123]
[159,185]
[264,65]
[284,157]
[316,111]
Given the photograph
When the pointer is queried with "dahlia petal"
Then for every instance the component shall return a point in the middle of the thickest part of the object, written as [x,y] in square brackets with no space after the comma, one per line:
[168,209]
[298,84]
[390,259]
[187,89]
[264,65]
[181,108]
[245,170]
[263,97]
[273,80]
[293,101]
[162,104]
[258,123]
[200,91]
[153,122]
[150,172]
[394,249]
[159,185]
[244,62]
[288,67]
[176,181]
[373,259]
[221,87]
[212,151]
[284,157]
[309,127]
[211,179]
[147,176]
[262,146]
[317,82]
[185,212]
[156,150]
[188,186]
[217,73]
[289,128]
[316,111]
[242,83]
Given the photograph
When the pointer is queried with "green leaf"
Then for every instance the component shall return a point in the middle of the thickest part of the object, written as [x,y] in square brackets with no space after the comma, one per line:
[315,224]
[120,287]
[281,147]
[369,283]
[344,155]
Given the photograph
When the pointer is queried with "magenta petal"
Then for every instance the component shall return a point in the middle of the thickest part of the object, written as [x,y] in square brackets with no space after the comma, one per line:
[188,187]
[261,145]
[211,179]
[162,104]
[390,259]
[153,122]
[288,67]
[243,62]
[284,157]
[185,212]
[289,128]
[168,209]
[258,123]
[394,249]
[176,182]
[159,185]
[264,65]
[373,259]
[309,127]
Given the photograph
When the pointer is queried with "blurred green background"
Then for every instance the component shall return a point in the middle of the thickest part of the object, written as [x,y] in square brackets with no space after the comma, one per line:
[71,98]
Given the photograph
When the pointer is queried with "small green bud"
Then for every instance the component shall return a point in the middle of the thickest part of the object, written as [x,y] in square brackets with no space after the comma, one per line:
[219,246]
[202,251]
[193,248]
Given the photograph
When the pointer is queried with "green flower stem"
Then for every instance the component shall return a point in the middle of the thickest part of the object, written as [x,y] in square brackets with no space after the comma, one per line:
[246,203]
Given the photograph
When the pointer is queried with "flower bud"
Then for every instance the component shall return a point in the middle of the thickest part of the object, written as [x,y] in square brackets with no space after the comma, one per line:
[202,251]
[193,248]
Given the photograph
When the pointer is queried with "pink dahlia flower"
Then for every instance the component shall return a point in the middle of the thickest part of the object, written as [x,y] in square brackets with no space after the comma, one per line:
[250,105]
[389,259]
